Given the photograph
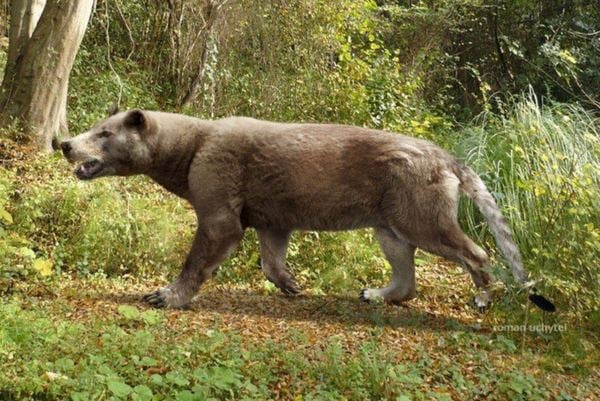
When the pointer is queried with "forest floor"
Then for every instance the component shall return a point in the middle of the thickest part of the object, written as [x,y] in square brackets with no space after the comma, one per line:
[93,339]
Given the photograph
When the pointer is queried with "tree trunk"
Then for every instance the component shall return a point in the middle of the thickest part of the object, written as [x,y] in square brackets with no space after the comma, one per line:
[212,13]
[37,94]
[24,16]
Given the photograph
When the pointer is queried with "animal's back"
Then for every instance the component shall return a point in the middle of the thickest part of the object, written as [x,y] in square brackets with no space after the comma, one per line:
[325,177]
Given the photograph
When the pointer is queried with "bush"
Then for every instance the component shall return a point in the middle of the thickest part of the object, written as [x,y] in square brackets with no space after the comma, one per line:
[113,225]
[542,162]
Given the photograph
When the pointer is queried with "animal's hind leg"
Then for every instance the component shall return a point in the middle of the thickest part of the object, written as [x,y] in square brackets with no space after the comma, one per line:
[273,247]
[455,245]
[400,255]
[432,225]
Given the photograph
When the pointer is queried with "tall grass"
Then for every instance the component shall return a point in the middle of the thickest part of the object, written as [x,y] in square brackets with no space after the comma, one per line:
[542,163]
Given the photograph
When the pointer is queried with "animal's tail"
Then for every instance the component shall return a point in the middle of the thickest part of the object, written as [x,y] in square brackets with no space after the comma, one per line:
[472,185]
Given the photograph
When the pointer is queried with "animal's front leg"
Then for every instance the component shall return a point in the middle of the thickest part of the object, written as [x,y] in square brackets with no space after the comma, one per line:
[214,241]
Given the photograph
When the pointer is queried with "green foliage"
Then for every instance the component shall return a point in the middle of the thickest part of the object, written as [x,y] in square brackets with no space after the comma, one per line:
[406,66]
[300,61]
[378,64]
[465,51]
[106,226]
[542,164]
[321,262]
[47,355]
[18,256]
[93,91]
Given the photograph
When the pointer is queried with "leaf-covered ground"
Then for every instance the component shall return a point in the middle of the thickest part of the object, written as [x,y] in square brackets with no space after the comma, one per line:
[93,339]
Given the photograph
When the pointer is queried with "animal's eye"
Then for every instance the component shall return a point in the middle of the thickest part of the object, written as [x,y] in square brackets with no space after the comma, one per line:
[105,134]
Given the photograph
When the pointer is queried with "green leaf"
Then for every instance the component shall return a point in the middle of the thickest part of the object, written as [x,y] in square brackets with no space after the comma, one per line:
[186,395]
[146,361]
[151,317]
[26,252]
[64,365]
[119,389]
[5,217]
[142,393]
[269,287]
[420,261]
[80,396]
[129,312]
[157,379]
[174,378]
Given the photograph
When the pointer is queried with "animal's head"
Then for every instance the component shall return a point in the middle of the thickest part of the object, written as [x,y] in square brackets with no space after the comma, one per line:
[118,145]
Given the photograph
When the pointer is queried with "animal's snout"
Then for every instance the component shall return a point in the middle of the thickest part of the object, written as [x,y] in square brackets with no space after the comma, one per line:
[66,147]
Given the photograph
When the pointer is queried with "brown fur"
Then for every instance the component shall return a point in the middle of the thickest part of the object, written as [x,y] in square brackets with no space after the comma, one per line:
[277,178]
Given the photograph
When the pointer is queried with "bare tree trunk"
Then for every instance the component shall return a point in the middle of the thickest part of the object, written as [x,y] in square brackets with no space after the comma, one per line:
[24,16]
[37,94]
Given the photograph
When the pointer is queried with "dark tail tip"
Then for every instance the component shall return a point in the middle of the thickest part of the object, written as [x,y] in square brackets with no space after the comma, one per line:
[541,302]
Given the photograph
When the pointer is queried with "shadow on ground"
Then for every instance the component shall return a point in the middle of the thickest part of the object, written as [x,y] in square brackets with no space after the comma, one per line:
[309,308]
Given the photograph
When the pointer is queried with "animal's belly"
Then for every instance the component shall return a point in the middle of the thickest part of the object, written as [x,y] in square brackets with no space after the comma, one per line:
[319,217]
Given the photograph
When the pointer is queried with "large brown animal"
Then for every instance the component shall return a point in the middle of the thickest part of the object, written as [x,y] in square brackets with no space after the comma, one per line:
[277,178]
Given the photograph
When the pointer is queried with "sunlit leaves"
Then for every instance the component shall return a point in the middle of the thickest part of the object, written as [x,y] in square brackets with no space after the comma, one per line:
[43,267]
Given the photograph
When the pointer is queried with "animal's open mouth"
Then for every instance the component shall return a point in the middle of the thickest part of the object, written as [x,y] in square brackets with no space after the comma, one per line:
[89,169]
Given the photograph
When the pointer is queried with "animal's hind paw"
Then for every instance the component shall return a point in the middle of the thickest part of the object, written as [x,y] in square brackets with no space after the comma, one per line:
[479,305]
[285,282]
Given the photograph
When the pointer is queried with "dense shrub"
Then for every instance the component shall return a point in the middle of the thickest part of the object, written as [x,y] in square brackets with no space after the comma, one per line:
[117,226]
[380,63]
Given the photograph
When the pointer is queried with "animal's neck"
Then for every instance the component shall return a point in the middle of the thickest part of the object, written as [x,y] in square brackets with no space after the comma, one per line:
[173,174]
[174,154]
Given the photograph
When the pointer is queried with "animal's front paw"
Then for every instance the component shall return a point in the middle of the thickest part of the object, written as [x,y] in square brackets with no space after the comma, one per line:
[157,298]
[165,297]
[289,287]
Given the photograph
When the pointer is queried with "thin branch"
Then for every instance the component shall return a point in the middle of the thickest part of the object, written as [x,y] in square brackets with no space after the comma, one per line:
[127,28]
[497,41]
[212,14]
[108,53]
[583,34]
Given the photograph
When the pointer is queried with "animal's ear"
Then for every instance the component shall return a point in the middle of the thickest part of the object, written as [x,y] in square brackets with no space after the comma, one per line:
[136,119]
[113,109]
